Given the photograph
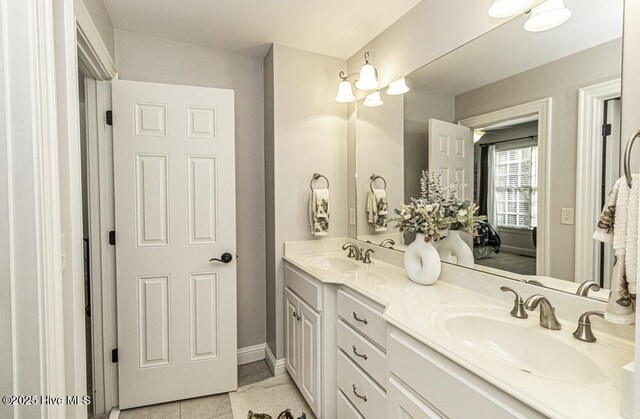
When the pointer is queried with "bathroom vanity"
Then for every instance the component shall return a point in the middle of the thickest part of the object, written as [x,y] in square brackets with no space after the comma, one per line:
[363,341]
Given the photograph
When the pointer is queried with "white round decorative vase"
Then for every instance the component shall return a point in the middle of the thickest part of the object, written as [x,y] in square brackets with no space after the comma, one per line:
[422,262]
[453,249]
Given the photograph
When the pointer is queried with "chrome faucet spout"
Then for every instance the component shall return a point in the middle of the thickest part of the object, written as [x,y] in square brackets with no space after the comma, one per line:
[548,318]
[583,289]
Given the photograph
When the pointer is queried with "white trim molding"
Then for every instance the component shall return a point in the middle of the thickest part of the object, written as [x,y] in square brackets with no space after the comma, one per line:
[541,108]
[250,354]
[93,54]
[588,169]
[276,366]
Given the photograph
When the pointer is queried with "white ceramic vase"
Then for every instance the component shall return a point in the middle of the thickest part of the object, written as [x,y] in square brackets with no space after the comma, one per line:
[422,262]
[453,249]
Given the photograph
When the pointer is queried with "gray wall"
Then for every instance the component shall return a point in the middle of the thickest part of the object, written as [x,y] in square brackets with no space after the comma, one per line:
[559,80]
[144,58]
[102,20]
[308,133]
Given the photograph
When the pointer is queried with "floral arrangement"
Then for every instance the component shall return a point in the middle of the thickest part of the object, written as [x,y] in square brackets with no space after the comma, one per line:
[437,209]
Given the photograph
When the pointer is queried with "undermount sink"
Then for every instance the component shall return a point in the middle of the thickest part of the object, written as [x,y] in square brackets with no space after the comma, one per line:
[530,351]
[332,263]
[489,334]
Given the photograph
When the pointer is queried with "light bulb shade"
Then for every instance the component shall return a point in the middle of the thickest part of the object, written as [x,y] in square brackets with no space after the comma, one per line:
[368,78]
[507,8]
[345,94]
[547,16]
[373,100]
[398,87]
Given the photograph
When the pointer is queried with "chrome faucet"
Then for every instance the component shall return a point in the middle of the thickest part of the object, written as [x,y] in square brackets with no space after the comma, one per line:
[534,282]
[390,242]
[548,318]
[583,331]
[354,250]
[584,288]
[518,310]
[366,258]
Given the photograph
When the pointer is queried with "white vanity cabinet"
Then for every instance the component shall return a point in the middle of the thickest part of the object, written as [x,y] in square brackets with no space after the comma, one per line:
[426,384]
[309,330]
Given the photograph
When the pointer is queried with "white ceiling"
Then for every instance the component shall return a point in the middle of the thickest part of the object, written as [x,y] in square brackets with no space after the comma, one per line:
[333,27]
[509,49]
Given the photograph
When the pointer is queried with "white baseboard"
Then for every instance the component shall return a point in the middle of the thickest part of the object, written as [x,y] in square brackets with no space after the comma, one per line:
[518,250]
[275,365]
[250,354]
[115,413]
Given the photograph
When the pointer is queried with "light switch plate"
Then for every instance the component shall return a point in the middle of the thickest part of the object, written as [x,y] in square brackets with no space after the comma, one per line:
[352,216]
[567,216]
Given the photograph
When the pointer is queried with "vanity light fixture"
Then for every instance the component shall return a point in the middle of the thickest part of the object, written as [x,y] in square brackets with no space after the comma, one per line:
[367,80]
[368,75]
[507,8]
[373,100]
[345,93]
[398,87]
[547,16]
[477,135]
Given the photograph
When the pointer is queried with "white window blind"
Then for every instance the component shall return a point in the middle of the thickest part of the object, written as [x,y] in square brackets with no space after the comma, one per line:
[516,187]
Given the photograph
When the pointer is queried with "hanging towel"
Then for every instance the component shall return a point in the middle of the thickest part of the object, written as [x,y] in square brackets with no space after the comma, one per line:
[319,212]
[378,209]
[618,224]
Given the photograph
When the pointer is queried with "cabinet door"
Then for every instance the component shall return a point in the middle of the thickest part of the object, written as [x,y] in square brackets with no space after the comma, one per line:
[404,405]
[292,332]
[309,367]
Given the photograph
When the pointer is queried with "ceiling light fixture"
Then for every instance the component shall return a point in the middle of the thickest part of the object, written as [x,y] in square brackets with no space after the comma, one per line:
[547,16]
[373,100]
[507,8]
[398,87]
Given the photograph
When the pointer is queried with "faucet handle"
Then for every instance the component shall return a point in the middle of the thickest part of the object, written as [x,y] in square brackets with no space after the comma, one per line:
[354,251]
[583,331]
[518,310]
[367,258]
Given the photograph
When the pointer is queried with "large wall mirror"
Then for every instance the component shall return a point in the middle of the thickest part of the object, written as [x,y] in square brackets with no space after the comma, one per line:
[529,123]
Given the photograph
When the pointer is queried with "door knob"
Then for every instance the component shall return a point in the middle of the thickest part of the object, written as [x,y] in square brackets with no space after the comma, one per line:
[225,258]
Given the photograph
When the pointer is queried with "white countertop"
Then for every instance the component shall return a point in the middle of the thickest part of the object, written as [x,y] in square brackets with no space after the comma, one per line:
[417,310]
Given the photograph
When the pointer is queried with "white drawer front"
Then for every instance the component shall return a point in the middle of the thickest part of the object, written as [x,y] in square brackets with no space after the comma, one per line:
[362,391]
[371,359]
[345,409]
[453,390]
[304,286]
[364,318]
[404,405]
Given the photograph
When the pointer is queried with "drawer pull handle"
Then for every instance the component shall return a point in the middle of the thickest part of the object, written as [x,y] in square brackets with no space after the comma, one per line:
[357,395]
[355,316]
[355,352]
[296,316]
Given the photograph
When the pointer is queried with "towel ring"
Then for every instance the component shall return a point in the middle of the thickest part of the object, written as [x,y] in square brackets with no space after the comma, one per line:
[317,176]
[627,156]
[373,179]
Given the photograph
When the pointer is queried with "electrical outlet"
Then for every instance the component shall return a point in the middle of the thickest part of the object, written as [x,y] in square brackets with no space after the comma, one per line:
[352,216]
[566,216]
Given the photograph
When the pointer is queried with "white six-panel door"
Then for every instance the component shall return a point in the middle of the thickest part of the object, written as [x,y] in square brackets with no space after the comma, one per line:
[174,181]
[451,153]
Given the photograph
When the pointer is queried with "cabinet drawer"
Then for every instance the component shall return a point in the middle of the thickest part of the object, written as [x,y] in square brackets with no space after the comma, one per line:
[364,318]
[304,286]
[345,409]
[371,359]
[402,404]
[362,391]
[451,389]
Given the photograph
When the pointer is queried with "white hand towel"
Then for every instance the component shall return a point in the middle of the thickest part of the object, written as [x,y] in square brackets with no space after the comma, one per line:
[378,209]
[319,212]
[618,224]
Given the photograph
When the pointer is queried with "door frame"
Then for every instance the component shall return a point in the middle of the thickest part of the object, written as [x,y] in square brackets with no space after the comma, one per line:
[95,61]
[591,101]
[541,108]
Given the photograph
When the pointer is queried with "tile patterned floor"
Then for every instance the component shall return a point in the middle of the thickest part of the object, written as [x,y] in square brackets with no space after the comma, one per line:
[210,407]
